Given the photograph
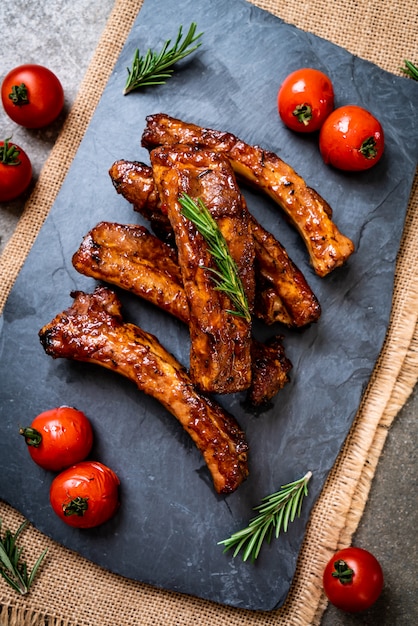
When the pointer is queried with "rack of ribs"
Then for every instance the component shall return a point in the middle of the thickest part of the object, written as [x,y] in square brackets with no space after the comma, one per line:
[92,330]
[310,214]
[220,355]
[283,294]
[130,257]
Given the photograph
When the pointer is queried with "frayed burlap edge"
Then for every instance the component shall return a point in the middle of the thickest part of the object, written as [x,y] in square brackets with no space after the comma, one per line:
[347,488]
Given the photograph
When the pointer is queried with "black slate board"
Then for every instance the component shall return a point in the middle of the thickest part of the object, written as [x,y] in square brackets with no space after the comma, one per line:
[170,519]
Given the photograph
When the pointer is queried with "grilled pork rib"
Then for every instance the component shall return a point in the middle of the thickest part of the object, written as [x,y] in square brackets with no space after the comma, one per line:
[129,257]
[92,330]
[283,294]
[328,248]
[220,359]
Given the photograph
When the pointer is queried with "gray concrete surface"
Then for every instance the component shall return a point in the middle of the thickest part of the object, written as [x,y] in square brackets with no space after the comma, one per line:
[63,36]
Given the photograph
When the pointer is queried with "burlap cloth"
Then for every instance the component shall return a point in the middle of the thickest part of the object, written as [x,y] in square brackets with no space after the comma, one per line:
[74,592]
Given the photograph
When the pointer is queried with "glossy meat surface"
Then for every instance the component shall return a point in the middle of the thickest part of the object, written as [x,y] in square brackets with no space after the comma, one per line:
[134,181]
[310,214]
[131,258]
[270,368]
[92,330]
[220,359]
[283,294]
[128,256]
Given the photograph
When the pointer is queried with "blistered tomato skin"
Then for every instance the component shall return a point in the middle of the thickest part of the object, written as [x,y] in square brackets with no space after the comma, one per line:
[305,99]
[351,139]
[32,96]
[58,438]
[85,495]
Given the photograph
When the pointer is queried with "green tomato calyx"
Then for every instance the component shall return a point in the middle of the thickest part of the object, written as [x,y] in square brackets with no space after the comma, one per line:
[9,155]
[368,148]
[303,112]
[77,506]
[343,572]
[19,95]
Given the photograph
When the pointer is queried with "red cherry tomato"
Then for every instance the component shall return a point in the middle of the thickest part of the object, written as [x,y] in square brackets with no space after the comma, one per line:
[32,96]
[351,139]
[305,99]
[353,579]
[15,171]
[59,438]
[85,495]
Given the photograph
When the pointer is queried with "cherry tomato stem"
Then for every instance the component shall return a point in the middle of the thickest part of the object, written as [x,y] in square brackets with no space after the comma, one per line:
[343,572]
[19,94]
[76,506]
[32,436]
[303,113]
[9,154]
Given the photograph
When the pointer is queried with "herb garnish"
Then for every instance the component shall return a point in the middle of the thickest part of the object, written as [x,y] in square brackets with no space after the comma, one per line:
[226,277]
[155,69]
[14,571]
[275,512]
[410,70]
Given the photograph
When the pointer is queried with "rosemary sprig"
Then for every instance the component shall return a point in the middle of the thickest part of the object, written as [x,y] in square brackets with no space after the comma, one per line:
[155,68]
[226,277]
[12,569]
[274,514]
[410,70]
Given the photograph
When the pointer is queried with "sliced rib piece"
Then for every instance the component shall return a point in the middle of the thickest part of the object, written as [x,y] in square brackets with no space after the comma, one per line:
[134,181]
[92,330]
[286,295]
[270,368]
[328,248]
[129,257]
[283,294]
[220,359]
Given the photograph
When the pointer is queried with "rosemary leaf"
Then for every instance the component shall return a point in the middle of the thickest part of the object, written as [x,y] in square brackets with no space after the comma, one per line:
[410,70]
[156,68]
[226,276]
[276,511]
[12,569]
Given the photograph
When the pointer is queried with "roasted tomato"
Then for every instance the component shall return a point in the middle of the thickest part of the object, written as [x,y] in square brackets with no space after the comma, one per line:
[32,96]
[85,495]
[305,99]
[351,139]
[353,579]
[15,171]
[59,438]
